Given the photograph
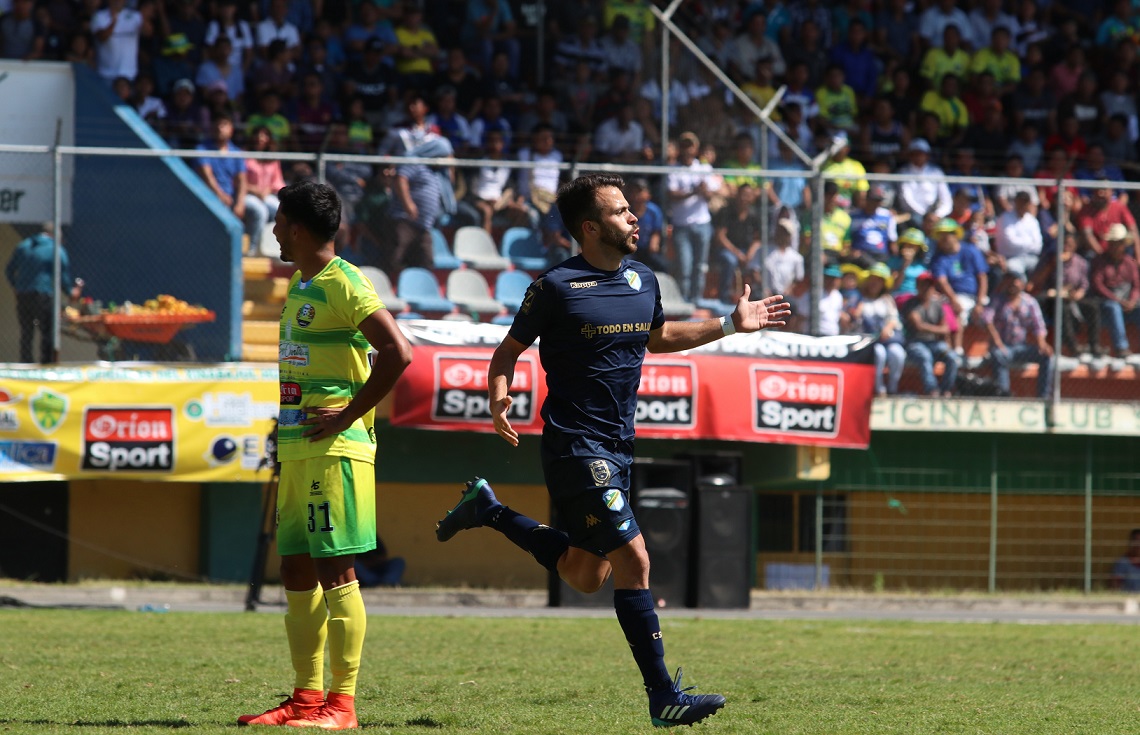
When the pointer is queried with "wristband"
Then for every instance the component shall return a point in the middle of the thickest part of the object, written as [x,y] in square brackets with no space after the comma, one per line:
[727,326]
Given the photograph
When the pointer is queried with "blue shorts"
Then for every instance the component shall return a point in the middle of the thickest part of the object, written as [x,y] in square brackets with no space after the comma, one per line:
[589,487]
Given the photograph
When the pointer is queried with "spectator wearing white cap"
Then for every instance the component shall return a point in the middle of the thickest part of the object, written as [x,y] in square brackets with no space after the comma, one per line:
[925,190]
[783,265]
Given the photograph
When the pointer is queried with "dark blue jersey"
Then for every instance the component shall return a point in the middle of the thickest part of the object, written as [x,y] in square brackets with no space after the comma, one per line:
[594,326]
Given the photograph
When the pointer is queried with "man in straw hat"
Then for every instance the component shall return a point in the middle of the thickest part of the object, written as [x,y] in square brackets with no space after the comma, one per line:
[1116,279]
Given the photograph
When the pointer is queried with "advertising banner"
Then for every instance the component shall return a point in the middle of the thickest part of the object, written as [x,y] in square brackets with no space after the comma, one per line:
[39,109]
[766,387]
[188,423]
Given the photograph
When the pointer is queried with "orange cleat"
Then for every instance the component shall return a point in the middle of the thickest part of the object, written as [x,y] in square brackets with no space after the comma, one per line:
[303,703]
[337,713]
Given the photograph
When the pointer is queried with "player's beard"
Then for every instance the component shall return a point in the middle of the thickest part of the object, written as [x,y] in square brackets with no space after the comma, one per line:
[619,240]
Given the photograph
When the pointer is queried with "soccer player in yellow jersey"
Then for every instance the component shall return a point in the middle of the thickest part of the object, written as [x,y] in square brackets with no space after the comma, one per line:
[326,505]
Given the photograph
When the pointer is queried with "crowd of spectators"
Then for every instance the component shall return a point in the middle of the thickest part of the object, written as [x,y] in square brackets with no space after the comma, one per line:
[925,88]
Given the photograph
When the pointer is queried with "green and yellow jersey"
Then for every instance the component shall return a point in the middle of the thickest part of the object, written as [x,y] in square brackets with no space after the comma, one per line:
[323,360]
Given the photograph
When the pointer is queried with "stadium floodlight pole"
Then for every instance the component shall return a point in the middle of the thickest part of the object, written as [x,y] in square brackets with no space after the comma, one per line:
[1058,302]
[667,21]
[57,257]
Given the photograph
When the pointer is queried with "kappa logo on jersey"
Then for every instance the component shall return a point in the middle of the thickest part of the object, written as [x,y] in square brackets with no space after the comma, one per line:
[293,353]
[667,395]
[27,456]
[290,394]
[600,471]
[633,279]
[614,500]
[128,439]
[798,402]
[461,389]
[305,315]
[592,520]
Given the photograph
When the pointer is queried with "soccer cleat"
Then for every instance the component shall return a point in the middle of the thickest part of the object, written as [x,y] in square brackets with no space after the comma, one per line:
[302,703]
[672,707]
[337,713]
[478,498]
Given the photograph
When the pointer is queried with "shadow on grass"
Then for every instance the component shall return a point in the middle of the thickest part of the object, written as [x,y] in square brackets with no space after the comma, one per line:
[426,722]
[173,724]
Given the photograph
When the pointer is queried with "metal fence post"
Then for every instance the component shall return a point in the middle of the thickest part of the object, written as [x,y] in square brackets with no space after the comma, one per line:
[1088,513]
[819,536]
[321,164]
[816,264]
[992,580]
[1059,303]
[57,265]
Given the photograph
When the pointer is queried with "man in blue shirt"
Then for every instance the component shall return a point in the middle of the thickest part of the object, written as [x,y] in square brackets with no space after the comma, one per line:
[650,224]
[31,273]
[873,230]
[597,313]
[225,175]
[961,270]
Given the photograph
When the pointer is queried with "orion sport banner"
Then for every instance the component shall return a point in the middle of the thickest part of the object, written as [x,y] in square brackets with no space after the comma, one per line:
[766,387]
[191,423]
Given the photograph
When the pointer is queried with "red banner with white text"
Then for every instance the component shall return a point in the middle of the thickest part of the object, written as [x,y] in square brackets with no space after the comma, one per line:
[766,387]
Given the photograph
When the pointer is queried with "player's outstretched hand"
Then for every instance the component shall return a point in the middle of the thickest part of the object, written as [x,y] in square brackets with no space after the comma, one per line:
[752,316]
[323,422]
[503,426]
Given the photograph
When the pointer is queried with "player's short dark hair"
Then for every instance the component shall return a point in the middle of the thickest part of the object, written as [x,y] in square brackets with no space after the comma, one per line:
[577,200]
[312,205]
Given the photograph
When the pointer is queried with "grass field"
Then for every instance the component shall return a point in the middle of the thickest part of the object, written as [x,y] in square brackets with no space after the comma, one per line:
[96,672]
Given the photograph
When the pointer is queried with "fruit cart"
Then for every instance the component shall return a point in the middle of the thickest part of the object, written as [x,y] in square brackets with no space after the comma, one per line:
[127,331]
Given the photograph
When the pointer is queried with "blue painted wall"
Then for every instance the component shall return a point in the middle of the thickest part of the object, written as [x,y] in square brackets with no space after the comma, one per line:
[145,226]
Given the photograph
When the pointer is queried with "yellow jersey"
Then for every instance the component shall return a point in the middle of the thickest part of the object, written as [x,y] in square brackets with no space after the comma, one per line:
[323,360]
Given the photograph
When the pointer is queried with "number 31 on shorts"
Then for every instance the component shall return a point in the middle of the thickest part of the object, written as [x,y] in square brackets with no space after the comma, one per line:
[324,513]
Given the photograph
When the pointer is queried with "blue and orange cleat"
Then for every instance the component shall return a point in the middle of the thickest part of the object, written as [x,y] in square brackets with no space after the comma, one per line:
[478,499]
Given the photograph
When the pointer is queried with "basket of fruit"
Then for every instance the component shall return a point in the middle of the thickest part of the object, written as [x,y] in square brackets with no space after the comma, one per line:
[157,321]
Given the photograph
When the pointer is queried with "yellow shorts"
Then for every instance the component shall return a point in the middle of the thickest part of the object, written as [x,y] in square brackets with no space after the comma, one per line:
[326,506]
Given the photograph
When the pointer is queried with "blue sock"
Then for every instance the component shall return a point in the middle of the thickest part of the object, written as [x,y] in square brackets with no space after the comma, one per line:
[545,544]
[642,631]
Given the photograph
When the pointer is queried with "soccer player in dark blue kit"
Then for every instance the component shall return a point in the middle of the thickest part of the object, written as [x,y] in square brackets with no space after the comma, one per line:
[596,314]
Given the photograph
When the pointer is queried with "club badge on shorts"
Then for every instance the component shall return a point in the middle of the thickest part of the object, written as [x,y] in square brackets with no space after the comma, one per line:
[614,500]
[600,471]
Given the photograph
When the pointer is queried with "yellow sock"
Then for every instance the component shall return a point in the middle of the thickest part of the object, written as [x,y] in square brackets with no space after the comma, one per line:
[347,624]
[305,626]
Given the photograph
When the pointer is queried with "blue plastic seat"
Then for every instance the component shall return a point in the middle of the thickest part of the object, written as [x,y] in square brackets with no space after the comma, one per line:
[523,247]
[442,257]
[418,287]
[510,288]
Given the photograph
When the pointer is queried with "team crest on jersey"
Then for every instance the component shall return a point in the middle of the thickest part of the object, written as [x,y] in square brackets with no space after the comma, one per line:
[600,471]
[614,500]
[633,279]
[305,315]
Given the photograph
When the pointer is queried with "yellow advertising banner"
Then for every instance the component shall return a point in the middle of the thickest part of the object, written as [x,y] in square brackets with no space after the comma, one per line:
[183,423]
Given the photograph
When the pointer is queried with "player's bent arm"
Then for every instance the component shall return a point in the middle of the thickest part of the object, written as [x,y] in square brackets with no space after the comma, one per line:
[500,375]
[677,336]
[393,355]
